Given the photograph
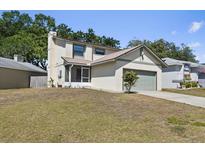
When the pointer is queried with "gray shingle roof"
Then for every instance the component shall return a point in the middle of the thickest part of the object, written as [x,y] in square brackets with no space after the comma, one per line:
[24,66]
[171,61]
[113,55]
[120,53]
[76,61]
[110,57]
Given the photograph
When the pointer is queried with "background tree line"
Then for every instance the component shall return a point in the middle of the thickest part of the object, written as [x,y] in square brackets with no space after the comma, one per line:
[163,49]
[27,36]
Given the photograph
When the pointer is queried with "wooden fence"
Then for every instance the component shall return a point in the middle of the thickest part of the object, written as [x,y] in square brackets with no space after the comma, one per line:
[38,81]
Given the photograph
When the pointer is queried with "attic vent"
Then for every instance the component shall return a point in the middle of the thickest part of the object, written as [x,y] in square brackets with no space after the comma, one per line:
[142,53]
[18,58]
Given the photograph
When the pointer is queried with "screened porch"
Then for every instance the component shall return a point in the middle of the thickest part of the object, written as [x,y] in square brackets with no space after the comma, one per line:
[77,76]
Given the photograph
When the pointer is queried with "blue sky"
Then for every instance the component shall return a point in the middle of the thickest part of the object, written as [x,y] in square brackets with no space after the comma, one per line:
[177,26]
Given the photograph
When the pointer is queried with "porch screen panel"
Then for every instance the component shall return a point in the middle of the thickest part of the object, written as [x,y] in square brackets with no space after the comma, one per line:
[66,73]
[76,74]
[85,74]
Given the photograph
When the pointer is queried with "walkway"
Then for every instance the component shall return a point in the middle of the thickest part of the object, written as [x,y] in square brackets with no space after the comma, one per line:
[181,98]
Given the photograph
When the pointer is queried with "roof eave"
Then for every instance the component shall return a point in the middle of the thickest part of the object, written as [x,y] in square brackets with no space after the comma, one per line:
[79,64]
[89,44]
[159,59]
[102,62]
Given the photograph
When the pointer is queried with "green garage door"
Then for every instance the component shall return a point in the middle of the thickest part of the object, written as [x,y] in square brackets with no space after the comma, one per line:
[147,81]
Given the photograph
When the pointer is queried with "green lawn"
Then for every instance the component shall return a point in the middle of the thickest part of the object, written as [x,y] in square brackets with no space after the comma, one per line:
[81,115]
[194,92]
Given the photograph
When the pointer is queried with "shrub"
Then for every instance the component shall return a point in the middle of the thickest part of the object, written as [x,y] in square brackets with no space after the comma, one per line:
[188,85]
[129,78]
[194,84]
[182,83]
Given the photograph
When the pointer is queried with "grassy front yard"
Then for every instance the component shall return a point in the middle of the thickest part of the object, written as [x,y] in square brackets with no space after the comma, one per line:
[194,92]
[81,115]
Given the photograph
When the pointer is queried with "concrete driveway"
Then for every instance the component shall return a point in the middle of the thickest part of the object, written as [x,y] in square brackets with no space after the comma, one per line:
[187,99]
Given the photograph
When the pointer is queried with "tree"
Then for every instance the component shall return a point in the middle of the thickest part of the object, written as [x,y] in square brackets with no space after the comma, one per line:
[45,22]
[129,79]
[12,22]
[111,42]
[78,36]
[63,31]
[163,49]
[30,46]
[90,36]
[26,36]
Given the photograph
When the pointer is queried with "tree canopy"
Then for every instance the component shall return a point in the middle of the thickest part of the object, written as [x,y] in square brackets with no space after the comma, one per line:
[163,48]
[27,36]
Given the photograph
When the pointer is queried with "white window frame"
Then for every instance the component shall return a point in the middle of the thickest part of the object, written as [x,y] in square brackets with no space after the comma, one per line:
[82,77]
[100,50]
[84,47]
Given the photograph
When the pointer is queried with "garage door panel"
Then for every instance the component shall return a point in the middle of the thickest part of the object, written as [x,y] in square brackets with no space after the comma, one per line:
[147,81]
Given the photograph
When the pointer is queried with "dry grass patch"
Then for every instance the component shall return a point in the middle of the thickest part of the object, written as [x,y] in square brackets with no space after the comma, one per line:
[82,115]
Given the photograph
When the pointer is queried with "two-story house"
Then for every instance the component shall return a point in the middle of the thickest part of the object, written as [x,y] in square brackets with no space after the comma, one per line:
[80,64]
[178,71]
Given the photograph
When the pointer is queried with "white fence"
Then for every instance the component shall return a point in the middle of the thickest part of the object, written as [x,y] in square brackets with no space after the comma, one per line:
[38,81]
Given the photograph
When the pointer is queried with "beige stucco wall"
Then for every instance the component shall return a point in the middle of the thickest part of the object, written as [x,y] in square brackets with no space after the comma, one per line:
[103,76]
[58,48]
[149,63]
[69,48]
[11,78]
[109,76]
[51,68]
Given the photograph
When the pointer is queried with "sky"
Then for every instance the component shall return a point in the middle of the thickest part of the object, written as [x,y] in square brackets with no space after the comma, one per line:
[186,27]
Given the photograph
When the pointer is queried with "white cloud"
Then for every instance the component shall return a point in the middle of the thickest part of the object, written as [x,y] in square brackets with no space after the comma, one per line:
[194,44]
[174,32]
[195,26]
[200,58]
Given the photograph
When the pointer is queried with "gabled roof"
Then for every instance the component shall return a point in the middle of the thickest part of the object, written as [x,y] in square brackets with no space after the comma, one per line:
[116,55]
[171,61]
[24,66]
[110,57]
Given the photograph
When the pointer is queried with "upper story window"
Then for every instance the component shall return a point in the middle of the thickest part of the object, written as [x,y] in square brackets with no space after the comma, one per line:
[78,50]
[99,51]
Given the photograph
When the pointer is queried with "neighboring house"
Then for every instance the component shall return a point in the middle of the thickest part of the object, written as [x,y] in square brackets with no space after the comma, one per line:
[17,74]
[78,64]
[179,70]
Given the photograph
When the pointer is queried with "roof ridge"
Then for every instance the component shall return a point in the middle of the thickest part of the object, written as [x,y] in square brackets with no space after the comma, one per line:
[87,43]
[11,63]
